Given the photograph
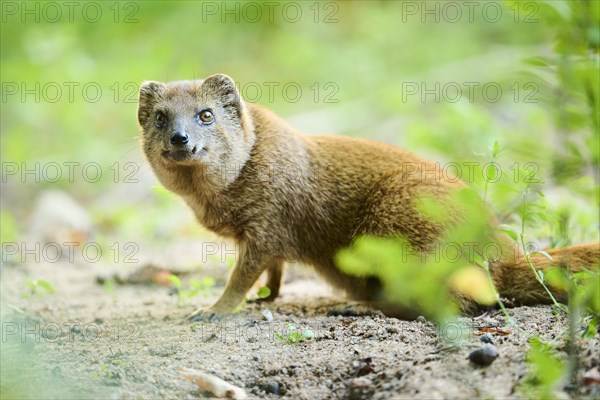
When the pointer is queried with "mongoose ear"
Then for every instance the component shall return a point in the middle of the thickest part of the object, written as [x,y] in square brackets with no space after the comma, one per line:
[149,92]
[223,88]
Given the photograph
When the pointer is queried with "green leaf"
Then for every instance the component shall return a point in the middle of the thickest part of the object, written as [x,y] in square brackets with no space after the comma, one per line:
[545,368]
[195,283]
[541,275]
[208,282]
[491,173]
[308,334]
[432,209]
[175,280]
[540,216]
[44,284]
[510,231]
[542,252]
[264,292]
[538,61]
[591,329]
[109,285]
[295,337]
[8,229]
[557,277]
[496,149]
[476,258]
[591,292]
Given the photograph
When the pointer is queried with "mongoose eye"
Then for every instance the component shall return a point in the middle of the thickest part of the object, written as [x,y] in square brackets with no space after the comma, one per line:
[160,120]
[206,116]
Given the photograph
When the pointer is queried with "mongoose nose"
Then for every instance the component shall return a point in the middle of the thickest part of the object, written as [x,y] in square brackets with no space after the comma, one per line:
[179,138]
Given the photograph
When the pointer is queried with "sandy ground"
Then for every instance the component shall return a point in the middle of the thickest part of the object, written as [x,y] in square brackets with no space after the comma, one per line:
[83,341]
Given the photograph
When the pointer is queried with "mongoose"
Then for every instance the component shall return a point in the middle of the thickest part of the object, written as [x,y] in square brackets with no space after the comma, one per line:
[282,195]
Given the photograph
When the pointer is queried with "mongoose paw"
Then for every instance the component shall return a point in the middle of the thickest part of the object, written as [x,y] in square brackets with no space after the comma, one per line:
[268,299]
[205,315]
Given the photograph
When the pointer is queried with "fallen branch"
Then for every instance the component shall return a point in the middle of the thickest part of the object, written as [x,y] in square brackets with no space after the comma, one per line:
[212,384]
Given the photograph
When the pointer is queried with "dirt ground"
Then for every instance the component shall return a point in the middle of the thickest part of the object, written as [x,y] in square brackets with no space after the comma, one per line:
[84,341]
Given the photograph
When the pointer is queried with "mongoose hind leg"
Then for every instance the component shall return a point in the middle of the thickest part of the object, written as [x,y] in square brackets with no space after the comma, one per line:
[274,277]
[361,288]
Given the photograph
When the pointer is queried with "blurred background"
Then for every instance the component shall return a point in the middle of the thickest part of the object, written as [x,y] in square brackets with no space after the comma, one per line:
[445,80]
[462,83]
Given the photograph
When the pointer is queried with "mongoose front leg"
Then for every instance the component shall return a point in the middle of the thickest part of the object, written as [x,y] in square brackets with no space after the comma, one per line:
[250,265]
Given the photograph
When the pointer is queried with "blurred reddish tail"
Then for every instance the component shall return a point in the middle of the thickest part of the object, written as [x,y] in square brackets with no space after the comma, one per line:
[518,282]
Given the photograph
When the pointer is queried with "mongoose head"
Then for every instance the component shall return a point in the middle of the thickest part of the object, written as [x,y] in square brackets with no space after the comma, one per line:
[202,122]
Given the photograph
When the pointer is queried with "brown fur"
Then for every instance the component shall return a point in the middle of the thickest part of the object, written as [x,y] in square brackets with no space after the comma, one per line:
[283,196]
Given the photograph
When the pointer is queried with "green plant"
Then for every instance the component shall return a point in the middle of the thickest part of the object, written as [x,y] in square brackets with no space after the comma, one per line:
[583,308]
[197,287]
[531,210]
[583,287]
[546,370]
[294,335]
[8,229]
[110,374]
[109,285]
[570,79]
[38,288]
[264,292]
[490,171]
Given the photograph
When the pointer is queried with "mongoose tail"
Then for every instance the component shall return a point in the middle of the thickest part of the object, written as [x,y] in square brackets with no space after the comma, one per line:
[518,282]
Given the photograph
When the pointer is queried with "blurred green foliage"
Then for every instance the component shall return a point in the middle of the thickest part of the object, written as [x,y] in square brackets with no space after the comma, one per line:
[197,287]
[429,282]
[546,370]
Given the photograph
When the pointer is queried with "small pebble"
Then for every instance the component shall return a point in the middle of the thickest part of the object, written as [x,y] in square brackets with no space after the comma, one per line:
[346,312]
[484,356]
[271,387]
[360,388]
[363,367]
[592,376]
[268,315]
[486,338]
[75,329]
[570,387]
[490,322]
